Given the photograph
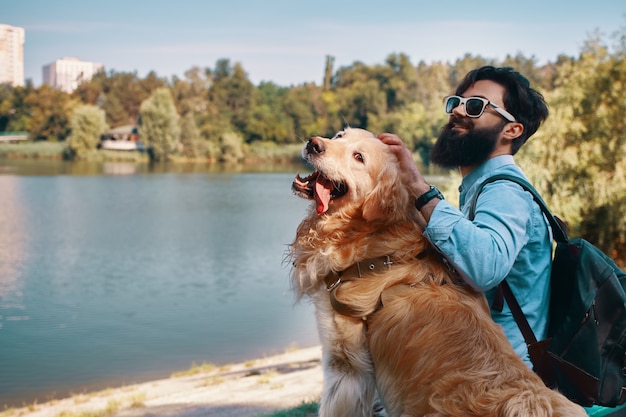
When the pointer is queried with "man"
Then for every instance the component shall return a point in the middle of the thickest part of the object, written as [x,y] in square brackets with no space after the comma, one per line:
[492,115]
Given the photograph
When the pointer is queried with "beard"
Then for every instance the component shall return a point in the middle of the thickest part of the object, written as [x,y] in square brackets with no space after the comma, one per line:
[469,148]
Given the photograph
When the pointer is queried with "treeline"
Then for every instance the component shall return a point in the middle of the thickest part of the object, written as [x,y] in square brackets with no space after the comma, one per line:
[577,159]
[220,112]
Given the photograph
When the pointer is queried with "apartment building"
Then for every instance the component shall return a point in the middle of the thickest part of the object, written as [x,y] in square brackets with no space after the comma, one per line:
[67,73]
[11,55]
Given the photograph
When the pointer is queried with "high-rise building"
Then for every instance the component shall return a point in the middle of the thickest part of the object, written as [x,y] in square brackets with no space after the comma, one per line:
[12,55]
[67,73]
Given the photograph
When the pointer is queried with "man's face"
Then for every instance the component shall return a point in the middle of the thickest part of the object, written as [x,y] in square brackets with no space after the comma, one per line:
[469,147]
[465,141]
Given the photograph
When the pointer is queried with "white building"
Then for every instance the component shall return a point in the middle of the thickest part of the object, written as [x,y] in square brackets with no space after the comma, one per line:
[12,55]
[67,73]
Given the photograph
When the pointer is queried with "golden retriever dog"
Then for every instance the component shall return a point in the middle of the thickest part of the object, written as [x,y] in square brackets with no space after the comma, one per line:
[393,320]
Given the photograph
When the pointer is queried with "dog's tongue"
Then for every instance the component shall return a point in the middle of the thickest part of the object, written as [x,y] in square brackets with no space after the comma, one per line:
[323,187]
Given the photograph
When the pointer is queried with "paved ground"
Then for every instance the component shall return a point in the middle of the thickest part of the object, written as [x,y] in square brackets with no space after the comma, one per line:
[247,389]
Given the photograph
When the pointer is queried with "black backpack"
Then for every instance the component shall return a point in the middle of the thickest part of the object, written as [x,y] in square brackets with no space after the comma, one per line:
[583,355]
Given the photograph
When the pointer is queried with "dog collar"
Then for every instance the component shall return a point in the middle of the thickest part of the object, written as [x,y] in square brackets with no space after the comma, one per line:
[358,270]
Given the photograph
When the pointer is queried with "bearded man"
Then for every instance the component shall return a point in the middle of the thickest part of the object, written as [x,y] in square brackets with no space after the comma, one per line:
[492,114]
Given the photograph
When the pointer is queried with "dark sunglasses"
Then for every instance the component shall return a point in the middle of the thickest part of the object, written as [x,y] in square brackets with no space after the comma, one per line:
[475,106]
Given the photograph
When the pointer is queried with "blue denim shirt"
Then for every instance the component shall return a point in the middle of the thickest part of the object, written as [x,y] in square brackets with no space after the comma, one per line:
[508,238]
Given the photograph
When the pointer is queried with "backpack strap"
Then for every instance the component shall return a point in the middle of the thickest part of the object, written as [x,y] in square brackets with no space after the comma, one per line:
[518,314]
[557,230]
[503,289]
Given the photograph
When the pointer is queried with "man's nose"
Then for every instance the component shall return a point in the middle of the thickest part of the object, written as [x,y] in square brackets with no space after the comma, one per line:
[459,110]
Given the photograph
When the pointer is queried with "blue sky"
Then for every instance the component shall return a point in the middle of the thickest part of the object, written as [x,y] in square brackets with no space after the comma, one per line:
[286,41]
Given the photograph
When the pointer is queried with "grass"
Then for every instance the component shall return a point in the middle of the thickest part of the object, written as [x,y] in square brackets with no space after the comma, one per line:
[195,369]
[113,406]
[308,409]
[34,150]
[258,152]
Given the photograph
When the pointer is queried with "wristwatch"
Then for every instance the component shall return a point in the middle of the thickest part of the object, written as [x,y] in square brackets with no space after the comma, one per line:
[422,200]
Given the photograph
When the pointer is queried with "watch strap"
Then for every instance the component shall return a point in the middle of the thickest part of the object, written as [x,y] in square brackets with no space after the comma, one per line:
[422,200]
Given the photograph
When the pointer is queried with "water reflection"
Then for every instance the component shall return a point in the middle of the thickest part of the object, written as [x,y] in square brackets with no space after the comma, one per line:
[61,167]
[12,242]
[119,168]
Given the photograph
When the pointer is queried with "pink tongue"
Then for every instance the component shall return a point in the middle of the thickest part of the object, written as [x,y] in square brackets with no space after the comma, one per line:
[323,187]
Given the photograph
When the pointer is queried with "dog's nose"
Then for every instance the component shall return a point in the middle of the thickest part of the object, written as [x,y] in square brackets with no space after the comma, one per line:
[315,145]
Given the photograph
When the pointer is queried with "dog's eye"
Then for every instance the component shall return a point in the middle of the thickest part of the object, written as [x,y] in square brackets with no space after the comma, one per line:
[338,135]
[358,156]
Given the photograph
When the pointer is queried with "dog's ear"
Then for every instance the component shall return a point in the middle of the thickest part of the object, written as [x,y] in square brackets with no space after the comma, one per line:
[389,198]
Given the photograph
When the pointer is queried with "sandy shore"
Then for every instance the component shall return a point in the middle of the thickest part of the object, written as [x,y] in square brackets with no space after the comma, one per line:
[253,388]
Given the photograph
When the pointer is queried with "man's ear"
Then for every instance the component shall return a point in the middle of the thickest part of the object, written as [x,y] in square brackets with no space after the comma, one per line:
[513,130]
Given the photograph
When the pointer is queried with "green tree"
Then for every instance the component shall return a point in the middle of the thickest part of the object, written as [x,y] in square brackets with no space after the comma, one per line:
[119,94]
[158,128]
[231,93]
[362,100]
[577,158]
[267,121]
[49,113]
[14,113]
[464,65]
[231,147]
[191,142]
[88,123]
[328,72]
[309,113]
[399,81]
[191,92]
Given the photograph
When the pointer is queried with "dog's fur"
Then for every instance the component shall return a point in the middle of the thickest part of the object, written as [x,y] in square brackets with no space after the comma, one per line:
[432,348]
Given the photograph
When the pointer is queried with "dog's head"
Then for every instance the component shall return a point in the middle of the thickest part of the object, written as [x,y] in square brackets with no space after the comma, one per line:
[354,172]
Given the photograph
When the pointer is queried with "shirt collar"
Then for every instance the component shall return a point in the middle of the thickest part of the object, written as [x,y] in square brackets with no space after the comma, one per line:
[483,170]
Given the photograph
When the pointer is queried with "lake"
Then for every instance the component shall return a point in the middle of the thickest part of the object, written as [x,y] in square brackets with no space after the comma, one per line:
[115,273]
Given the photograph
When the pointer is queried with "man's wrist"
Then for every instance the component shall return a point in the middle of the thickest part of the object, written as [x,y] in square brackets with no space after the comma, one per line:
[419,188]
[430,194]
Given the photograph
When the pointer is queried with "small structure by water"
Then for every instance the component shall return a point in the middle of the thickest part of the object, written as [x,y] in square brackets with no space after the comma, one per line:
[122,138]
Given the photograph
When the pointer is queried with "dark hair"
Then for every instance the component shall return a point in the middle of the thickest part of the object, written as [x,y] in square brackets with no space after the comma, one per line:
[522,101]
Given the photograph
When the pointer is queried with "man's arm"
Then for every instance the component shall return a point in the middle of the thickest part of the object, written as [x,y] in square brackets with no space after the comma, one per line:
[485,250]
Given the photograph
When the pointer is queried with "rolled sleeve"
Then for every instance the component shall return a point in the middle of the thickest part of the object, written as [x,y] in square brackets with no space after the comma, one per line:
[442,222]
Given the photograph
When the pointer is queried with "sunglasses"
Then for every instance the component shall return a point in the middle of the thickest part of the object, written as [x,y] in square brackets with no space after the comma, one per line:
[475,106]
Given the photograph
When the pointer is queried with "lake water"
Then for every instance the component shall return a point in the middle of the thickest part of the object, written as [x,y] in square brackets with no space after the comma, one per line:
[114,273]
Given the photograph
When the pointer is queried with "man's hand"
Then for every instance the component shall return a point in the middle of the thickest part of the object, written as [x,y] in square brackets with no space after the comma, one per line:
[407,165]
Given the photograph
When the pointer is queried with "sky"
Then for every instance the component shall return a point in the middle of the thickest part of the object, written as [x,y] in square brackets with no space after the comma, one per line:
[287,41]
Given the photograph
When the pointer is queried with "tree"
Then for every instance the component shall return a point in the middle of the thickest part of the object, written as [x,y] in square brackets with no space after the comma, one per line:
[88,124]
[464,65]
[49,113]
[14,113]
[361,98]
[328,72]
[190,93]
[231,92]
[158,127]
[232,147]
[190,139]
[310,111]
[399,81]
[268,121]
[576,160]
[119,93]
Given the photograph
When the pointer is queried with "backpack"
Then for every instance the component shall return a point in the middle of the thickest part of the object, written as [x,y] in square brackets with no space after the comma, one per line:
[583,355]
